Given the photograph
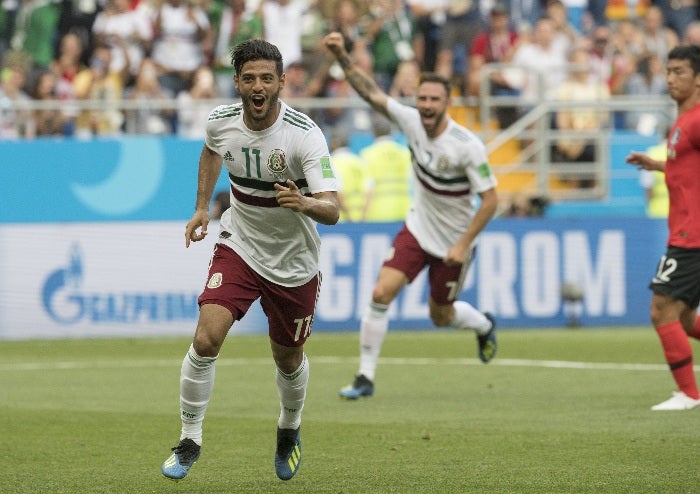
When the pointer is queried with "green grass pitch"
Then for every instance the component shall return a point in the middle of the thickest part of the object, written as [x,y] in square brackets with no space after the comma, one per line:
[557,411]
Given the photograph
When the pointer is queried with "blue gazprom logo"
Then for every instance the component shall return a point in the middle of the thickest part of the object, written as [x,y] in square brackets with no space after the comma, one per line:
[66,303]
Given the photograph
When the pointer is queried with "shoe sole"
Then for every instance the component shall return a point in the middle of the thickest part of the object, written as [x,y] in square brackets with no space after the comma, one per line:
[355,396]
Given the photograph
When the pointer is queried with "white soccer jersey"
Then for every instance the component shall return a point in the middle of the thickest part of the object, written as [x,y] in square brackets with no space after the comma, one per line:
[278,243]
[449,171]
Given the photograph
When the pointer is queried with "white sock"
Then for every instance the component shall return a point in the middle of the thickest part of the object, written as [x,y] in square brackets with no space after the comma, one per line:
[196,385]
[467,317]
[373,329]
[292,392]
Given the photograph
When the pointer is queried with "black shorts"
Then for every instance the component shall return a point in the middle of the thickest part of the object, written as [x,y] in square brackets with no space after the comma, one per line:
[678,275]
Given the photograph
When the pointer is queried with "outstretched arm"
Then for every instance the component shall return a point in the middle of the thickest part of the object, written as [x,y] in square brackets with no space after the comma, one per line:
[363,83]
[644,162]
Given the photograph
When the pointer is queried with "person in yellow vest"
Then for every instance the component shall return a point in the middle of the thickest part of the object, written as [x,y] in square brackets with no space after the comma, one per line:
[389,167]
[352,176]
[654,184]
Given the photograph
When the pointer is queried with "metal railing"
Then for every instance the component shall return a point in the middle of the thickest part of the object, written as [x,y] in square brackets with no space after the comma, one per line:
[532,131]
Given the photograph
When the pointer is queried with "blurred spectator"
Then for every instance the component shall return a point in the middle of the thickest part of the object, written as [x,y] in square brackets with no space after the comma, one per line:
[105,89]
[678,14]
[566,35]
[627,39]
[495,45]
[352,171]
[49,122]
[691,35]
[232,24]
[8,12]
[405,80]
[430,18]
[579,86]
[601,51]
[282,26]
[181,43]
[78,16]
[148,118]
[353,117]
[541,63]
[35,31]
[522,205]
[649,80]
[118,25]
[389,168]
[296,82]
[16,119]
[314,26]
[596,10]
[524,14]
[348,20]
[658,39]
[391,35]
[193,106]
[66,66]
[463,22]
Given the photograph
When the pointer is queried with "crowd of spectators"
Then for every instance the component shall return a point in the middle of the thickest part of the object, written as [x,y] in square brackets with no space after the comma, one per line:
[110,51]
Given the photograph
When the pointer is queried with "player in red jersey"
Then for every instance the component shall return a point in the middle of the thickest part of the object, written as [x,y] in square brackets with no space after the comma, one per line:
[676,284]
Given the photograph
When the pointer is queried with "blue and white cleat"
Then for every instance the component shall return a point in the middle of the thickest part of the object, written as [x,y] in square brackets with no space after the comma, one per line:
[360,387]
[288,453]
[183,457]
[487,342]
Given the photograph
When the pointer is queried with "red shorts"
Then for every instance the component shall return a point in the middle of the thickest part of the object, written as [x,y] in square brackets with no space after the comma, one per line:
[235,285]
[407,256]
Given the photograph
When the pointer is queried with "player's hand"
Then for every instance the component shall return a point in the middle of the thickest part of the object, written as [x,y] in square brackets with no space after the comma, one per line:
[200,219]
[290,197]
[455,256]
[640,160]
[335,43]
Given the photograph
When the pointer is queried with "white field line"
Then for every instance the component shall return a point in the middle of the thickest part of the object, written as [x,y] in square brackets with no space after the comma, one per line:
[328,360]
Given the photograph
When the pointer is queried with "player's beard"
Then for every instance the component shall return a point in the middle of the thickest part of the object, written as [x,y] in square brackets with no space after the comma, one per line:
[436,120]
[260,116]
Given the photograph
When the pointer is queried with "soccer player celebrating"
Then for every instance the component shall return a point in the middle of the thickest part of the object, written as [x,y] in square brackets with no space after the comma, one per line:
[282,183]
[450,168]
[676,284]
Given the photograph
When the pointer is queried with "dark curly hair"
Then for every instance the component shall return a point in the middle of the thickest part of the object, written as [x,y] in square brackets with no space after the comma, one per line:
[255,49]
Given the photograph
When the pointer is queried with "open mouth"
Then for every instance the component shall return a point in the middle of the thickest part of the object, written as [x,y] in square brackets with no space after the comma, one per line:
[258,101]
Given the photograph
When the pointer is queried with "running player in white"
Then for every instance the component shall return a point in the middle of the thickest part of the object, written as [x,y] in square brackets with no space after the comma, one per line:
[450,169]
[282,183]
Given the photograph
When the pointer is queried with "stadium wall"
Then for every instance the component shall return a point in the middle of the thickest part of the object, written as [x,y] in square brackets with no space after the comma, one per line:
[92,244]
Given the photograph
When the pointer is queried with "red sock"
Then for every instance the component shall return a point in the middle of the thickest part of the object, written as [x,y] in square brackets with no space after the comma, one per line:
[679,356]
[695,333]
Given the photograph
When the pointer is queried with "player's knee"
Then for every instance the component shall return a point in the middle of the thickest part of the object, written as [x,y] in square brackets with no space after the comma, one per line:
[381,295]
[205,345]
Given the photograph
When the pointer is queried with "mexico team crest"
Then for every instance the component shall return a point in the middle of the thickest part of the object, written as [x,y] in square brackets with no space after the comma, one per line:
[215,281]
[277,163]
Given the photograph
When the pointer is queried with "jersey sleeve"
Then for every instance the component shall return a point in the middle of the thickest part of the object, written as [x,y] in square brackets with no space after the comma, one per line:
[478,170]
[213,138]
[317,164]
[399,113]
